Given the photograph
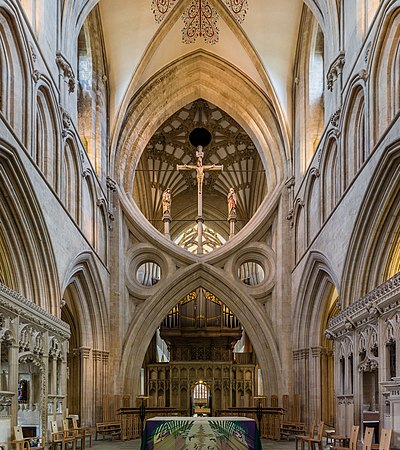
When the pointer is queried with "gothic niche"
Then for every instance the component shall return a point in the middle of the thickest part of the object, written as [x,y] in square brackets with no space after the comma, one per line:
[200,359]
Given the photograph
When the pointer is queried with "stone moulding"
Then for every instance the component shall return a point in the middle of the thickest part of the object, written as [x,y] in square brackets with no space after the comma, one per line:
[31,312]
[380,300]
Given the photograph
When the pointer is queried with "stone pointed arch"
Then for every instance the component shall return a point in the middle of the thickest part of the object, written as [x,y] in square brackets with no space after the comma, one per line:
[299,225]
[153,311]
[384,62]
[330,175]
[71,167]
[88,206]
[375,243]
[25,249]
[89,300]
[85,311]
[313,359]
[354,148]
[200,75]
[313,205]
[46,142]
[309,302]
[15,68]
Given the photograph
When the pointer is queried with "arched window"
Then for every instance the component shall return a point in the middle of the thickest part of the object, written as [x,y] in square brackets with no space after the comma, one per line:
[355,151]
[309,91]
[46,151]
[92,93]
[316,87]
[71,189]
[200,392]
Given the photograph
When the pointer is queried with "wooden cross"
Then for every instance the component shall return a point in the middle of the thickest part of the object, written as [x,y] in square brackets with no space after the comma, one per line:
[199,168]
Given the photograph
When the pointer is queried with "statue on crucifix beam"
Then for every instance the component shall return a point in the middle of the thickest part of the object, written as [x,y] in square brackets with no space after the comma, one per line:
[200,169]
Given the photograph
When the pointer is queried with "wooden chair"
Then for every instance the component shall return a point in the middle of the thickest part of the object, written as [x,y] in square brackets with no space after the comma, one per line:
[314,443]
[368,435]
[353,440]
[22,442]
[384,441]
[77,433]
[61,437]
[88,432]
[302,438]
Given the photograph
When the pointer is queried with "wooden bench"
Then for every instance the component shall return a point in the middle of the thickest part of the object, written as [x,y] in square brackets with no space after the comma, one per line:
[108,428]
[292,429]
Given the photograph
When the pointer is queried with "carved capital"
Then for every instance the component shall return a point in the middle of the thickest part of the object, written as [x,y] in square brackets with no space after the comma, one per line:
[335,70]
[84,352]
[66,71]
[301,353]
[101,202]
[316,352]
[67,121]
[289,183]
[335,117]
[36,76]
[111,184]
[97,355]
[363,74]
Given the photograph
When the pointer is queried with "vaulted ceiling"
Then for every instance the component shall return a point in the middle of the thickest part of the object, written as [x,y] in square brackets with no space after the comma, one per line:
[262,45]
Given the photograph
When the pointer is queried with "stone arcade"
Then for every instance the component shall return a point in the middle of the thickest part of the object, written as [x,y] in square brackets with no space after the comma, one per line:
[108,297]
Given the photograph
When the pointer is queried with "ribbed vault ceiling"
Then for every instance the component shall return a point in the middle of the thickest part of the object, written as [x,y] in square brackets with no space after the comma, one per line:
[230,146]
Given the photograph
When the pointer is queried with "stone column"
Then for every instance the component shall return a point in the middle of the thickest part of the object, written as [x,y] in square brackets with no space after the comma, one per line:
[232,222]
[315,383]
[167,219]
[53,385]
[98,376]
[301,377]
[63,366]
[13,381]
[86,387]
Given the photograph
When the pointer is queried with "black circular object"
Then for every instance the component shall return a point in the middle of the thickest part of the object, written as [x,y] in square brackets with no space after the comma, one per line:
[200,136]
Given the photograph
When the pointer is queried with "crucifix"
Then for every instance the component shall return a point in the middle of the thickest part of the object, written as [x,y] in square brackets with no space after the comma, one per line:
[200,137]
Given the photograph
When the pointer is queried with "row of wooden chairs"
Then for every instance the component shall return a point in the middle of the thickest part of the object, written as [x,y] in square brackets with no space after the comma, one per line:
[60,439]
[314,443]
[72,435]
[384,441]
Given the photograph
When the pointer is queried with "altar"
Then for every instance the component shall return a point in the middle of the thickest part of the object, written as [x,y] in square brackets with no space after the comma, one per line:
[208,433]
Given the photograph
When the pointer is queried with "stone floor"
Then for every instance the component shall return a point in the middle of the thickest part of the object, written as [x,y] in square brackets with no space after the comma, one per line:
[135,445]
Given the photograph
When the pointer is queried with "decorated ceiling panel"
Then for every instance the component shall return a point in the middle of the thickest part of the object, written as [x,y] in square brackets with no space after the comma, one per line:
[200,18]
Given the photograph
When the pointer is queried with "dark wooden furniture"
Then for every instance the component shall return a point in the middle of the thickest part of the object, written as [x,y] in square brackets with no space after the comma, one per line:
[112,429]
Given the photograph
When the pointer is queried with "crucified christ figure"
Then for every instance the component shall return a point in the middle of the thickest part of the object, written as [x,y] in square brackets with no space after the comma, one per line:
[200,168]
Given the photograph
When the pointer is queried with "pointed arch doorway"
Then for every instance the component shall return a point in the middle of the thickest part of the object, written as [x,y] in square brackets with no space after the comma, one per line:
[201,399]
[201,361]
